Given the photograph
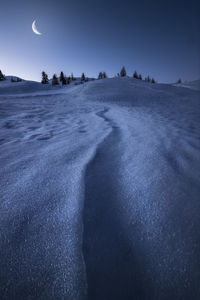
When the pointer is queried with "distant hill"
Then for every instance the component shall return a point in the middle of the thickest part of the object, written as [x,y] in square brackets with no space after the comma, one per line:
[194,85]
[9,87]
[21,87]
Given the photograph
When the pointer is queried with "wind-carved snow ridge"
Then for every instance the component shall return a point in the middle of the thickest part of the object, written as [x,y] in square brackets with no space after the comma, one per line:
[110,272]
[113,270]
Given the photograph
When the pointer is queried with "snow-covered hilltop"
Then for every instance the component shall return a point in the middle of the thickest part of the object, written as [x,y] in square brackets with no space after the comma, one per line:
[16,86]
[99,189]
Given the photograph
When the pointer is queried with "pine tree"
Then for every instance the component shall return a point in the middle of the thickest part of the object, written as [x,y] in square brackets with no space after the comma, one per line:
[62,77]
[152,80]
[104,75]
[64,81]
[83,77]
[179,81]
[2,77]
[123,72]
[45,79]
[148,79]
[140,77]
[100,76]
[55,80]
[135,75]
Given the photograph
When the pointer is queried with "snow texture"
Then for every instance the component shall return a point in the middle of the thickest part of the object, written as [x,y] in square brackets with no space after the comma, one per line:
[99,189]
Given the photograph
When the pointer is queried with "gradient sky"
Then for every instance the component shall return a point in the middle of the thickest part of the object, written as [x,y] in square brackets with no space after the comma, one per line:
[159,38]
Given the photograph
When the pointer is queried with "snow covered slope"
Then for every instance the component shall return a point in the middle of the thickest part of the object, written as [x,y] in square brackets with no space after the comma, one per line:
[99,189]
[25,86]
[7,87]
[195,85]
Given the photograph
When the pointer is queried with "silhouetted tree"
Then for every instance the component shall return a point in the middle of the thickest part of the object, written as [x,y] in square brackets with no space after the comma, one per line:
[83,77]
[123,72]
[62,76]
[45,79]
[152,80]
[135,75]
[64,81]
[2,76]
[140,77]
[104,75]
[100,76]
[55,80]
[179,81]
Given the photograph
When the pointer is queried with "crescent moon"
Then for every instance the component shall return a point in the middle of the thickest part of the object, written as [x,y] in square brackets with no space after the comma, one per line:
[34,28]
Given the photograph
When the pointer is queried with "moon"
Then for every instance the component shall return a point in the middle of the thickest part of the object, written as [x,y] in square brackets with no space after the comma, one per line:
[34,28]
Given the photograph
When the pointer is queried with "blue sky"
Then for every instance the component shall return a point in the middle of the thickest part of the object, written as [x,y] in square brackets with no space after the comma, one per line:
[159,38]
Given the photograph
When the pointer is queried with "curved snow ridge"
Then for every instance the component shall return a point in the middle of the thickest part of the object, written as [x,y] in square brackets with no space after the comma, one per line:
[100,236]
[88,158]
[117,265]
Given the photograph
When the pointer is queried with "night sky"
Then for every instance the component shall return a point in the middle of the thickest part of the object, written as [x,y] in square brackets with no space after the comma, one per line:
[159,38]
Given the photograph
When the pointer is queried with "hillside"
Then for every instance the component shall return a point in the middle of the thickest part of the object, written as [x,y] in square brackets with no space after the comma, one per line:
[195,85]
[99,188]
[7,87]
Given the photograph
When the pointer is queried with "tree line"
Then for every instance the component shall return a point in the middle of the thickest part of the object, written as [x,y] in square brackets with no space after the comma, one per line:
[65,80]
[123,73]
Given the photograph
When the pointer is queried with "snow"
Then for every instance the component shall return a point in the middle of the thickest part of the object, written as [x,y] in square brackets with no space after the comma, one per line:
[34,88]
[100,186]
[195,85]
